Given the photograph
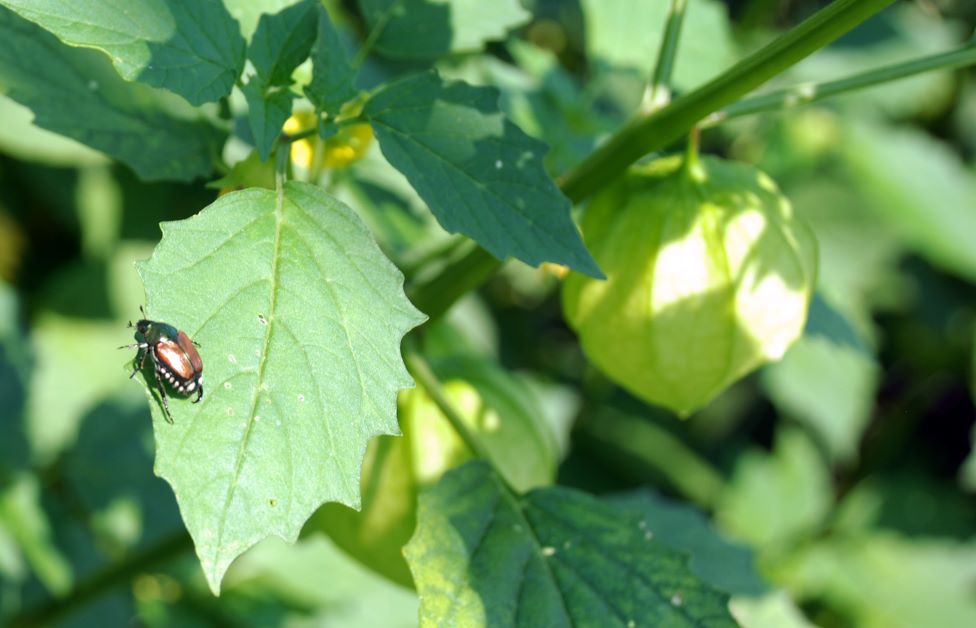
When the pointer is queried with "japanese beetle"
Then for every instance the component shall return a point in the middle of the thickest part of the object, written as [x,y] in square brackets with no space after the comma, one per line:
[175,358]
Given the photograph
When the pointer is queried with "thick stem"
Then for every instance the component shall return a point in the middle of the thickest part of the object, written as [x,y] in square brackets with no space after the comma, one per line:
[650,132]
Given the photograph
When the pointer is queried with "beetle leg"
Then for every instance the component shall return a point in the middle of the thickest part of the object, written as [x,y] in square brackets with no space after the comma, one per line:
[162,396]
[199,392]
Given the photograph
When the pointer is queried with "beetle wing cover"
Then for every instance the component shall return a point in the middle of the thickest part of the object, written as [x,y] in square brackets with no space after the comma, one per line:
[191,351]
[172,355]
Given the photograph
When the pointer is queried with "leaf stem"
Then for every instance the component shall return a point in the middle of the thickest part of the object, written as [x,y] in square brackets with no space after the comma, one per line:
[288,138]
[105,579]
[470,268]
[374,34]
[659,91]
[648,132]
[806,93]
[420,369]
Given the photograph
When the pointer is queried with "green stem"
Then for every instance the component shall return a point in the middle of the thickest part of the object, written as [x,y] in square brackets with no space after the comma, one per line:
[648,132]
[812,92]
[105,579]
[657,450]
[374,34]
[421,371]
[288,138]
[652,131]
[436,295]
[659,92]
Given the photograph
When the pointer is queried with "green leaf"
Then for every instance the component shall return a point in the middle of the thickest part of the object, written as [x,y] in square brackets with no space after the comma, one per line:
[299,319]
[722,564]
[248,12]
[83,98]
[828,386]
[266,114]
[882,579]
[780,497]
[920,187]
[249,172]
[194,49]
[479,173]
[19,138]
[24,521]
[282,41]
[60,344]
[333,77]
[555,557]
[422,29]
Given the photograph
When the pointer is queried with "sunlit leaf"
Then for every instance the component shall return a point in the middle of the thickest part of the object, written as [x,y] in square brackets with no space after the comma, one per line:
[299,319]
[920,188]
[194,49]
[881,579]
[779,497]
[477,171]
[554,557]
[828,386]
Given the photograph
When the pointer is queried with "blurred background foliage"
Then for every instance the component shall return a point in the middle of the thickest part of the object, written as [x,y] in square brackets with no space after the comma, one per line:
[847,468]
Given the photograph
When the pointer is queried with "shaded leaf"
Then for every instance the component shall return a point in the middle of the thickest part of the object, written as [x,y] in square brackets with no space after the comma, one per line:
[282,41]
[333,77]
[825,321]
[420,29]
[722,564]
[248,13]
[266,114]
[299,318]
[555,557]
[21,139]
[194,49]
[477,171]
[83,98]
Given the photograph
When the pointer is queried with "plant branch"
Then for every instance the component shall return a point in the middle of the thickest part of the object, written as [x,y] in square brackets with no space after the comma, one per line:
[652,131]
[806,93]
[648,132]
[659,91]
[105,579]
[425,376]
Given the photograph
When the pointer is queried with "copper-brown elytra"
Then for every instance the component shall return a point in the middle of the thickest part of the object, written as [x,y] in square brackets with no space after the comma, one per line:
[174,356]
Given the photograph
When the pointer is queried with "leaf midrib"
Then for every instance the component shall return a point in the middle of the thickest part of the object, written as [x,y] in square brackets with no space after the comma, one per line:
[239,461]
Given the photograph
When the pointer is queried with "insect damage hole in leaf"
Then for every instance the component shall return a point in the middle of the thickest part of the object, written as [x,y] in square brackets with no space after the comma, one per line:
[299,317]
